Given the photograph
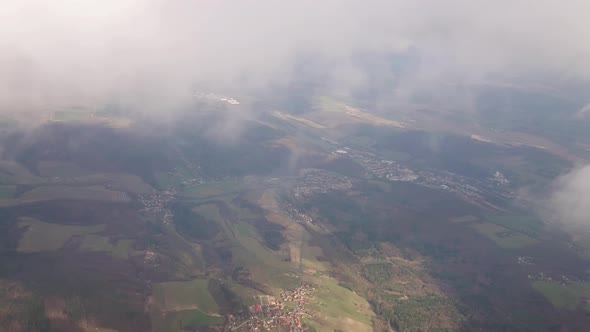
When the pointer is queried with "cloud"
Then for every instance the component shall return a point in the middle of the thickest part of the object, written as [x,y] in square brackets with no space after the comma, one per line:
[584,112]
[151,53]
[570,200]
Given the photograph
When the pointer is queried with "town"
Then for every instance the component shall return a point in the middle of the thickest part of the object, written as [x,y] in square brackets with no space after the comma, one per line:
[293,213]
[156,205]
[470,189]
[270,314]
[317,181]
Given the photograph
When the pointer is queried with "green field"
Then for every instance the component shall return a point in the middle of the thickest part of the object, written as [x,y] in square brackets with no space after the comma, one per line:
[502,236]
[45,193]
[57,177]
[209,211]
[124,182]
[212,189]
[117,181]
[72,174]
[310,254]
[267,266]
[520,223]
[43,236]
[97,192]
[180,295]
[338,304]
[7,192]
[567,296]
[246,295]
[184,320]
[119,248]
[173,179]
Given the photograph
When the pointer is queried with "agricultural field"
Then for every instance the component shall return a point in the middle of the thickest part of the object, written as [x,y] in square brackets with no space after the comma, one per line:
[182,295]
[180,321]
[341,307]
[266,265]
[174,179]
[97,193]
[504,237]
[271,269]
[213,189]
[524,224]
[311,256]
[120,182]
[177,258]
[118,248]
[181,305]
[56,174]
[209,211]
[117,181]
[565,295]
[43,236]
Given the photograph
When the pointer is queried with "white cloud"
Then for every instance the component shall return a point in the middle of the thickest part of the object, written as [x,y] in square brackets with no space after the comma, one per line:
[68,51]
[570,201]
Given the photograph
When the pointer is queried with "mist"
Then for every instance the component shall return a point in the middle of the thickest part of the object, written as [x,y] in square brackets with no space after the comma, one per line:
[152,54]
[569,204]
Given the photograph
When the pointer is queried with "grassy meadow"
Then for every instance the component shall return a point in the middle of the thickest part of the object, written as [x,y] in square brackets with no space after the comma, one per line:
[43,236]
[502,236]
[567,296]
[179,295]
[117,248]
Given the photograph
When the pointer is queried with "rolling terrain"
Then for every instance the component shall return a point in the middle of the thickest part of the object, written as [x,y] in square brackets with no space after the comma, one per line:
[336,219]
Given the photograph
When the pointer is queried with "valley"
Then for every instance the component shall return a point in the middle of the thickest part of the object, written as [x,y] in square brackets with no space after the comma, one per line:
[131,231]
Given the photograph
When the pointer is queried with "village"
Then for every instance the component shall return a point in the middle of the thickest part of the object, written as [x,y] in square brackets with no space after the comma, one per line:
[271,314]
[472,190]
[293,213]
[317,181]
[156,205]
[384,169]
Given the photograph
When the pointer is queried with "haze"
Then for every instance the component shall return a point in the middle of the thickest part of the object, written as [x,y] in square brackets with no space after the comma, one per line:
[150,55]
[69,52]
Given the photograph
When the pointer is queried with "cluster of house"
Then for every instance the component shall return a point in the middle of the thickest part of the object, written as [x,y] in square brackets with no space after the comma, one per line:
[283,315]
[156,205]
